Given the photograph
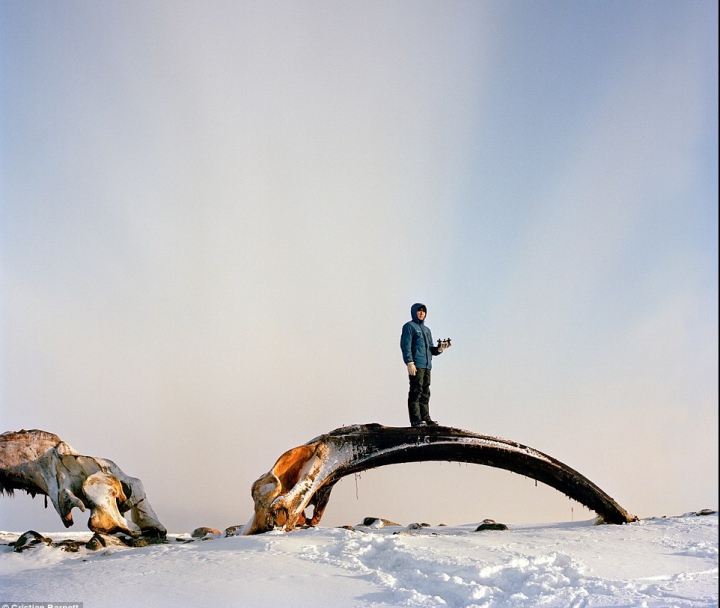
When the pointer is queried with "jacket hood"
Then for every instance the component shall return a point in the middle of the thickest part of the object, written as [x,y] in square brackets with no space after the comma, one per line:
[414,309]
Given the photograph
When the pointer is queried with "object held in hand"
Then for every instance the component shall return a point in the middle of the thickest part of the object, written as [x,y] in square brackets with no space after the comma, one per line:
[443,344]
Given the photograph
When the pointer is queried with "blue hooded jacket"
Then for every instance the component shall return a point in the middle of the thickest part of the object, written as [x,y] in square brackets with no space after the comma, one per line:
[416,340]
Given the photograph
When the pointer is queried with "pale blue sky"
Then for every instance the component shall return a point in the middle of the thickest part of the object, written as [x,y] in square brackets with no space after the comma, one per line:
[215,216]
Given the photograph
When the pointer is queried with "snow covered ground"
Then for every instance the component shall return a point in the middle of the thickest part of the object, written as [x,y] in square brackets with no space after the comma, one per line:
[651,563]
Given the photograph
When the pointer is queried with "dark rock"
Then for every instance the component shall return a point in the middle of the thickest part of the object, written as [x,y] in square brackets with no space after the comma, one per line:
[154,533]
[146,541]
[234,530]
[689,514]
[69,545]
[30,539]
[204,531]
[155,540]
[94,544]
[490,526]
[418,526]
[378,522]
[102,541]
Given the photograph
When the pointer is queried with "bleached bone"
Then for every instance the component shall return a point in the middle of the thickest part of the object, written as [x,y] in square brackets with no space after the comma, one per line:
[38,462]
[304,476]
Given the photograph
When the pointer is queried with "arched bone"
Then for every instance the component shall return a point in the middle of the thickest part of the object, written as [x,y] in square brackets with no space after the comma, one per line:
[38,462]
[304,476]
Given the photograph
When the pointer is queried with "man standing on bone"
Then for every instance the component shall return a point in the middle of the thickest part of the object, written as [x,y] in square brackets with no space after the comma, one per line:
[418,350]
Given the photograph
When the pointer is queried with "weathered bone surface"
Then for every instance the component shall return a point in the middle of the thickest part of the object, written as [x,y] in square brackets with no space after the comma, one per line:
[38,462]
[304,476]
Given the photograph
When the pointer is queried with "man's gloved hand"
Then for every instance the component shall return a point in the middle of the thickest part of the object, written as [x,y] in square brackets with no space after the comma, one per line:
[443,345]
[412,370]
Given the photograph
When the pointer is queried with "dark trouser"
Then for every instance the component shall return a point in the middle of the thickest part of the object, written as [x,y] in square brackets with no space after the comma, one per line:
[419,396]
